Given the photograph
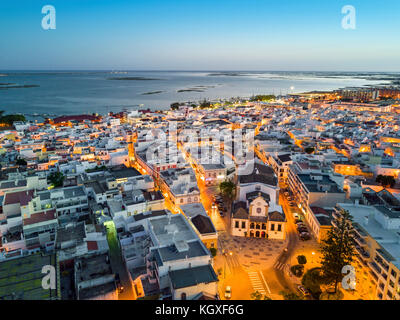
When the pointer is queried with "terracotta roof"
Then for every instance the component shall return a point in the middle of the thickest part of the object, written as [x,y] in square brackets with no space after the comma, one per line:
[21,197]
[92,245]
[241,213]
[79,118]
[40,217]
[276,216]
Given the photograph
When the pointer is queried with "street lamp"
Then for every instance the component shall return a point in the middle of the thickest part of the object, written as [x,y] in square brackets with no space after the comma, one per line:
[312,259]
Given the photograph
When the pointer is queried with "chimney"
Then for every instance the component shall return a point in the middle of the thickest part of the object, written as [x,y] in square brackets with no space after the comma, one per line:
[366,221]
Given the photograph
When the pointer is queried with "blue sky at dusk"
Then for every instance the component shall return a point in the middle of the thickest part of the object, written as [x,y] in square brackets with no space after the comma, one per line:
[200,35]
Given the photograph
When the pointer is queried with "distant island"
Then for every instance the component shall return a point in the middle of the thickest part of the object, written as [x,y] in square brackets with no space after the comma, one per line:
[190,90]
[13,86]
[152,92]
[132,78]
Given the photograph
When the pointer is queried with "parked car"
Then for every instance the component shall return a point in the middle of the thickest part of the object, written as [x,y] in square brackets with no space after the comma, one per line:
[303,290]
[305,236]
[228,292]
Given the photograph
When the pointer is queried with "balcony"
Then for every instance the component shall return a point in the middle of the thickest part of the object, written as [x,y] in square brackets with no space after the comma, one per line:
[361,242]
[362,252]
[375,267]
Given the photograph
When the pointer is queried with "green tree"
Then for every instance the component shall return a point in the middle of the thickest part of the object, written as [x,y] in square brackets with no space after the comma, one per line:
[9,119]
[205,104]
[338,249]
[312,281]
[175,105]
[301,259]
[386,181]
[297,270]
[56,179]
[213,252]
[228,191]
[256,295]
[290,296]
[21,162]
[309,150]
[262,97]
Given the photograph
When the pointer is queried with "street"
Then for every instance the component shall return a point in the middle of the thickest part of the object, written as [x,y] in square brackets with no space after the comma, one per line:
[117,263]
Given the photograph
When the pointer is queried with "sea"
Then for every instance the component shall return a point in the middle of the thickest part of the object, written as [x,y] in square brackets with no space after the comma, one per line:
[41,94]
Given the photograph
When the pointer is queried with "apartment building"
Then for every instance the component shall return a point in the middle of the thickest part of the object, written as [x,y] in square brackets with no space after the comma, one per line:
[377,243]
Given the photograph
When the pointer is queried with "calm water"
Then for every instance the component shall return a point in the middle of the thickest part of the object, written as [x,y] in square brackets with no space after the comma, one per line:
[87,92]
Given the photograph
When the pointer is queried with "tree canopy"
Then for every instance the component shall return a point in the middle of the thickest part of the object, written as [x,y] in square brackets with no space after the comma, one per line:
[21,162]
[386,181]
[263,97]
[56,179]
[9,119]
[301,259]
[338,249]
[309,150]
[228,189]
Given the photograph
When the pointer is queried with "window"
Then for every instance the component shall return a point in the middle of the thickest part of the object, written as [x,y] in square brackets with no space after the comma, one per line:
[279,227]
[237,224]
[258,210]
[181,200]
[272,227]
[183,296]
[394,273]
[243,224]
[263,227]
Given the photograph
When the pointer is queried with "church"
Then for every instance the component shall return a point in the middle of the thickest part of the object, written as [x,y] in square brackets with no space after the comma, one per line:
[256,211]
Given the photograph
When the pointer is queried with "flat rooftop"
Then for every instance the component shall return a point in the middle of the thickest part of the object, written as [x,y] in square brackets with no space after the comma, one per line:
[168,229]
[21,278]
[180,251]
[387,239]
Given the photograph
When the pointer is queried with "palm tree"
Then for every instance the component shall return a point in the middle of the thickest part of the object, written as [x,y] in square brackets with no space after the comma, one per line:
[228,190]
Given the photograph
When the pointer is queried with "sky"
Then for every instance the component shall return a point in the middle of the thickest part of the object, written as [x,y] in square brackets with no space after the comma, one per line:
[259,35]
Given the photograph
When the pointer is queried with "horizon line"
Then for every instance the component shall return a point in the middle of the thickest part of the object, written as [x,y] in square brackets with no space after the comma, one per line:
[201,70]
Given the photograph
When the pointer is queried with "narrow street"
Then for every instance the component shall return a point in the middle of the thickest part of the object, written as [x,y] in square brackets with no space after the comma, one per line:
[117,263]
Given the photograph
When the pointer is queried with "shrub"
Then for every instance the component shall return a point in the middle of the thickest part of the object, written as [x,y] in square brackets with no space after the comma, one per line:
[297,270]
[301,259]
